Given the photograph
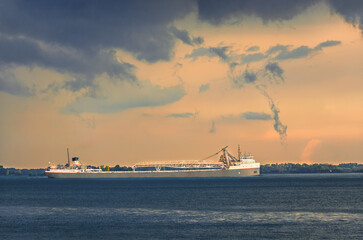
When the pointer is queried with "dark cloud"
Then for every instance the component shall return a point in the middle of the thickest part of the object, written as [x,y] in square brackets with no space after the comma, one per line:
[79,38]
[253,49]
[14,88]
[25,52]
[183,35]
[217,12]
[275,71]
[256,116]
[254,57]
[203,87]
[139,26]
[351,10]
[183,115]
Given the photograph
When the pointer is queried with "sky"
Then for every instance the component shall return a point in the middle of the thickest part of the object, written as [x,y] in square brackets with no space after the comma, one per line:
[121,82]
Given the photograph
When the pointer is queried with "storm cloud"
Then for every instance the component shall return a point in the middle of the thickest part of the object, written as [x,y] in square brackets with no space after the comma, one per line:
[351,10]
[139,27]
[217,12]
[80,38]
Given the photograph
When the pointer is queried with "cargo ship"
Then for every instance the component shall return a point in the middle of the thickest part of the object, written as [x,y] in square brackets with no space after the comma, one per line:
[227,166]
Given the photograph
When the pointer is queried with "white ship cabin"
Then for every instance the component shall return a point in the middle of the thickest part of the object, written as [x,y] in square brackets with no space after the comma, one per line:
[246,158]
[243,161]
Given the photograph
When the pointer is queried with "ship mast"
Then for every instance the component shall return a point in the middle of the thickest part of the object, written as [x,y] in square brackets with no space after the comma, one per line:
[239,153]
[69,164]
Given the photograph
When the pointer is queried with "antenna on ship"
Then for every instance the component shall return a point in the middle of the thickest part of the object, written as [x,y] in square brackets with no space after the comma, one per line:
[239,153]
[69,164]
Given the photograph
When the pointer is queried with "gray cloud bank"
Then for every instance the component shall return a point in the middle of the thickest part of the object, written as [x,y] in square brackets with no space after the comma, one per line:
[79,38]
[218,12]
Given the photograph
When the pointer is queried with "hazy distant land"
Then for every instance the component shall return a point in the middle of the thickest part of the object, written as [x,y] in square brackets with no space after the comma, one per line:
[277,168]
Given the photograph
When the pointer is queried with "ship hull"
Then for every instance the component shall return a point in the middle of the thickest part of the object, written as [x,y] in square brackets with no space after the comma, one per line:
[235,173]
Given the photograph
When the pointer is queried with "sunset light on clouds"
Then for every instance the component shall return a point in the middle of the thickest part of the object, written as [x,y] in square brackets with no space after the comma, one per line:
[123,82]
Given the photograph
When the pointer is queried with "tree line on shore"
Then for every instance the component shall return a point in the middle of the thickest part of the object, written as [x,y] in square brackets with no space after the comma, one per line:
[311,168]
[277,168]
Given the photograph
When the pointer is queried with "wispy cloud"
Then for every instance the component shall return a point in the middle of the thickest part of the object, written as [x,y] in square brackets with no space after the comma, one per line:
[254,57]
[13,87]
[129,96]
[204,87]
[303,51]
[183,115]
[256,116]
[247,77]
[220,52]
[279,127]
[183,35]
[213,128]
[274,71]
[253,49]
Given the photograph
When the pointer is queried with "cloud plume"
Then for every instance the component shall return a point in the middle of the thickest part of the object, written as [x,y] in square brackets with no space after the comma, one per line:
[279,127]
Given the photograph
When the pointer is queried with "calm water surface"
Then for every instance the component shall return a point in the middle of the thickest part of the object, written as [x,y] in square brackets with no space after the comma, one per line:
[318,206]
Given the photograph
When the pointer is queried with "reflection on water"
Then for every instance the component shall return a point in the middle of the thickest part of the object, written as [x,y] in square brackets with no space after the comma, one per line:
[182,216]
